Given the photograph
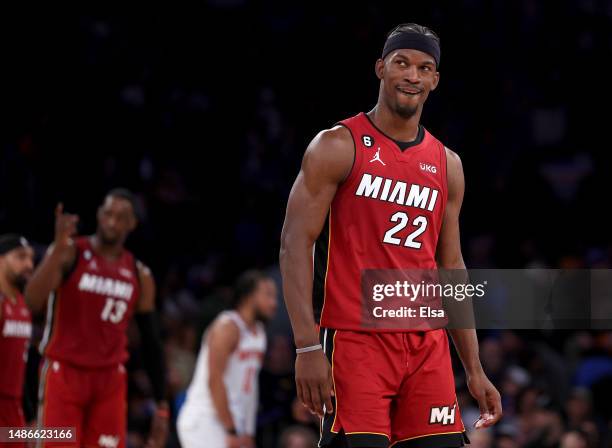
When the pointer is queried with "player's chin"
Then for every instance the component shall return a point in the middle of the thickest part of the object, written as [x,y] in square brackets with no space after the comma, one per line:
[265,317]
[409,99]
[110,238]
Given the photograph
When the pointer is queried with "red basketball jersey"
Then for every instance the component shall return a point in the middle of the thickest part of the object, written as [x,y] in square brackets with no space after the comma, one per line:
[15,332]
[387,214]
[88,315]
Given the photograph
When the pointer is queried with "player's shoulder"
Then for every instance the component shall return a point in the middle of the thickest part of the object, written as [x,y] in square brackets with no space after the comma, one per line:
[143,269]
[225,326]
[453,161]
[330,153]
[336,135]
[450,154]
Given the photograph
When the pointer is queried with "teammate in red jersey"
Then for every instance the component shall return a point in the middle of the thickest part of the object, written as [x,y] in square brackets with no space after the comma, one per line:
[92,286]
[16,263]
[378,191]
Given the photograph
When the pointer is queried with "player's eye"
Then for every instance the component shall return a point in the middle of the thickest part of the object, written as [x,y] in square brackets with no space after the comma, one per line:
[426,68]
[402,63]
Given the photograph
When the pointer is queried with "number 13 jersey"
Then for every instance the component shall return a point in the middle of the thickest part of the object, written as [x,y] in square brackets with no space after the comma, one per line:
[387,214]
[88,315]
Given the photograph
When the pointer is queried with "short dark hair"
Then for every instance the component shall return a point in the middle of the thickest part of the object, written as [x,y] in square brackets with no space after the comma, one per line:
[124,193]
[246,284]
[413,28]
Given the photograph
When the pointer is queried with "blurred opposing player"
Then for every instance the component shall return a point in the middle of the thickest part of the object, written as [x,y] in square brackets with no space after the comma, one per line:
[379,191]
[92,286]
[16,264]
[221,403]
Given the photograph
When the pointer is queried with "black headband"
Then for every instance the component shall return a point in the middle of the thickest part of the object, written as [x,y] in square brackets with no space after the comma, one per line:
[415,41]
[11,241]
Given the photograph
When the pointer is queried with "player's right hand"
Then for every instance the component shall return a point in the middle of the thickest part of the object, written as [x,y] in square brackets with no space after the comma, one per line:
[313,378]
[65,226]
[234,441]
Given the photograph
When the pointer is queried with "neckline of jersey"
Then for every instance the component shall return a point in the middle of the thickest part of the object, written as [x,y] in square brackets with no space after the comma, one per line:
[107,260]
[417,141]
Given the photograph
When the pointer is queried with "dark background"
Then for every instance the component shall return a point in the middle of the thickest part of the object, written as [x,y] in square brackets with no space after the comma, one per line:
[205,115]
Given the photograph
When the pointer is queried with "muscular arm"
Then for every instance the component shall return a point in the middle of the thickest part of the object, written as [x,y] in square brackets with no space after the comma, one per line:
[48,275]
[222,341]
[327,162]
[449,256]
[58,260]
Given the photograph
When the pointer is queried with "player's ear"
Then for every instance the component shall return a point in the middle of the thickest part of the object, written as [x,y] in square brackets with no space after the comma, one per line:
[436,80]
[379,68]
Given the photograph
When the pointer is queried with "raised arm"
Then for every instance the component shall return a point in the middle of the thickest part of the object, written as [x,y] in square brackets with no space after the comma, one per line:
[326,163]
[449,256]
[58,260]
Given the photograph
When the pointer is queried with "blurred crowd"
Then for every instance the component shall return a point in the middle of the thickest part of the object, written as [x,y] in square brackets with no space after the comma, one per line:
[205,115]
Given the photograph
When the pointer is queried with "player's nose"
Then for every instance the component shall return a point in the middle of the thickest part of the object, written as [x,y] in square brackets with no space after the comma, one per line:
[28,265]
[411,74]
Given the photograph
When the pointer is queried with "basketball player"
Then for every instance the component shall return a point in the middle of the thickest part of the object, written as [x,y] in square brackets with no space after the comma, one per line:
[378,191]
[92,286]
[16,264]
[221,403]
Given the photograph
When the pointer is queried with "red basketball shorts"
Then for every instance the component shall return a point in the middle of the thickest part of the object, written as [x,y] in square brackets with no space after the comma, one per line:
[392,389]
[93,401]
[11,416]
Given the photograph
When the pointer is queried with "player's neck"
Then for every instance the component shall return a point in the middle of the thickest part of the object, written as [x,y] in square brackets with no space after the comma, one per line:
[394,126]
[8,289]
[110,251]
[247,314]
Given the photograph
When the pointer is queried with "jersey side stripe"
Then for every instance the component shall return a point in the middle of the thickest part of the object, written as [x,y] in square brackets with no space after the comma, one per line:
[50,321]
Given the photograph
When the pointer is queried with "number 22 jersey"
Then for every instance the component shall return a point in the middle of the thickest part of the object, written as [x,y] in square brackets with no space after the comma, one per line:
[387,214]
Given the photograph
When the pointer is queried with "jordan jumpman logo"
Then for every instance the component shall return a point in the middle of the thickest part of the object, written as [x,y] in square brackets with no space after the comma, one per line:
[377,157]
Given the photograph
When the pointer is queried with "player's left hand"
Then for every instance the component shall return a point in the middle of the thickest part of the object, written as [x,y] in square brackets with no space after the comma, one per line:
[488,398]
[159,427]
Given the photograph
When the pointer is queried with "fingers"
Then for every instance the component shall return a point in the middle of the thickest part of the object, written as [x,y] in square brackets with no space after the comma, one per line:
[315,397]
[484,411]
[59,209]
[306,397]
[490,409]
[326,394]
[300,392]
[495,408]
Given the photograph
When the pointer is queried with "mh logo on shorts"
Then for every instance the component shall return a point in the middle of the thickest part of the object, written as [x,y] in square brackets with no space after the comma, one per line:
[108,441]
[443,415]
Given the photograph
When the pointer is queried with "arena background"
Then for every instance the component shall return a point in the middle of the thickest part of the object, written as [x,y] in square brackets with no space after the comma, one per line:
[205,115]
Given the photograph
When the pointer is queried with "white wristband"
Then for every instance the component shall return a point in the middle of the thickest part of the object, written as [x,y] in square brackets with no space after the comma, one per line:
[311,348]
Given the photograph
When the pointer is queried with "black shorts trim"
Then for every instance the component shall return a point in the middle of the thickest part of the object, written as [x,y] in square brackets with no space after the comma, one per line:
[356,440]
[449,440]
[365,440]
[327,435]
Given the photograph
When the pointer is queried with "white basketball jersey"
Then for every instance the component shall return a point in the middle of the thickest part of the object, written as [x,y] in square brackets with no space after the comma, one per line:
[240,378]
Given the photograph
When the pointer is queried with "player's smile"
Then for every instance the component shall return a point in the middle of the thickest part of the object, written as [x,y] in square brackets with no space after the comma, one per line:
[409,91]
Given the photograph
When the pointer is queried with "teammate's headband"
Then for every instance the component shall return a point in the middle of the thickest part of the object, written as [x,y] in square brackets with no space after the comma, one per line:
[414,41]
[11,241]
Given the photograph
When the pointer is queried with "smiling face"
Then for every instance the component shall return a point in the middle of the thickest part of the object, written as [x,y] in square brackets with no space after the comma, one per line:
[406,78]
